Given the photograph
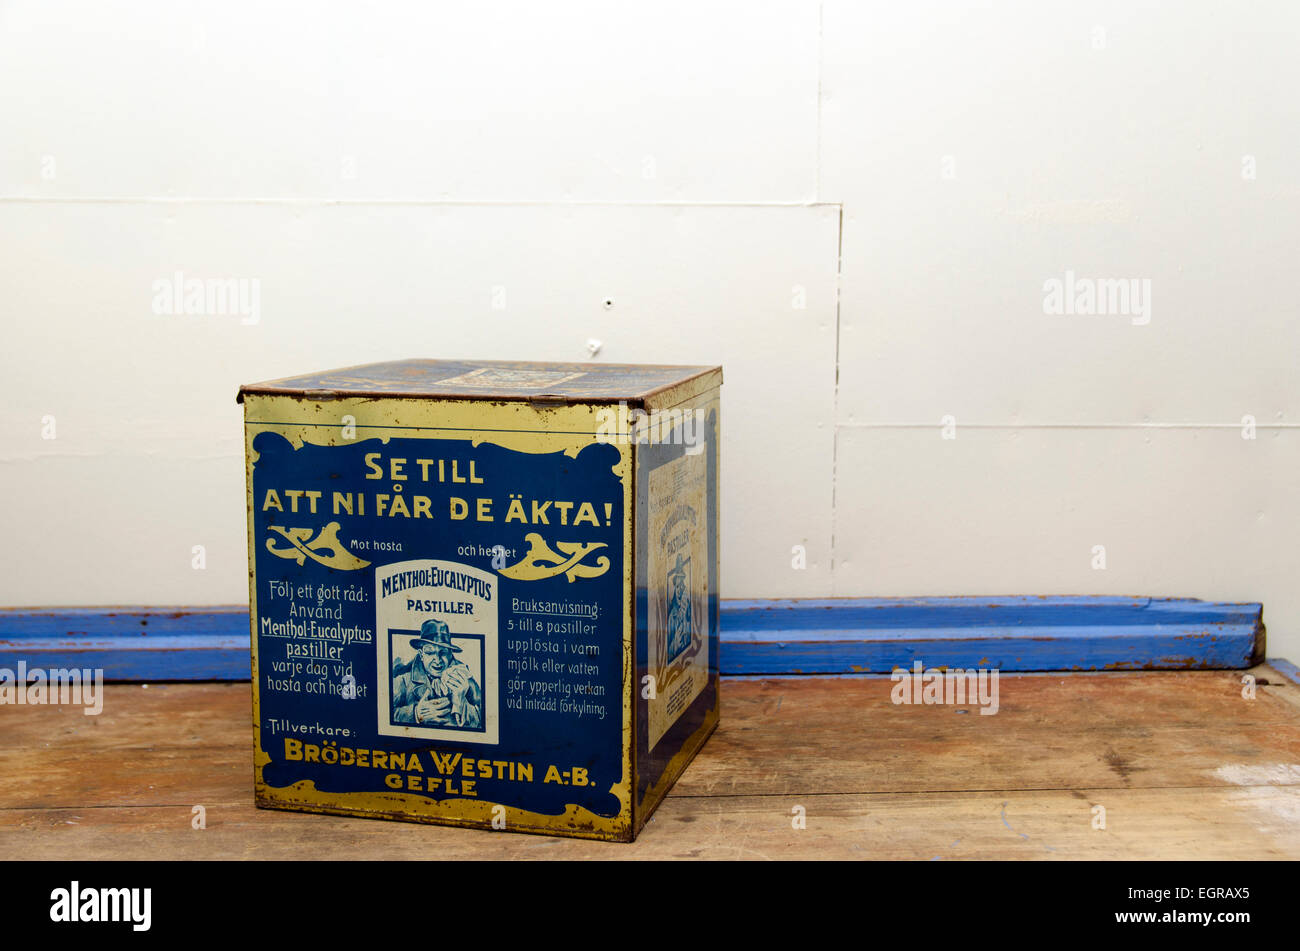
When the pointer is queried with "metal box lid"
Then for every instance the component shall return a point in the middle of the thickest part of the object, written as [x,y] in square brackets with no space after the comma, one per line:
[642,384]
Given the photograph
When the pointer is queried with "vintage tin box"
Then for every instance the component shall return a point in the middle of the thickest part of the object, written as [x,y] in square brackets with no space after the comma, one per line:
[483,593]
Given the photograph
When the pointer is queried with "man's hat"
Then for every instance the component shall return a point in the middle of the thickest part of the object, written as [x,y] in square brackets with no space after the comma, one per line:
[435,633]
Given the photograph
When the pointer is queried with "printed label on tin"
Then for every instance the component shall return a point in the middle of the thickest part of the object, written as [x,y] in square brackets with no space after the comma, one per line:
[440,619]
[508,377]
[678,576]
[437,638]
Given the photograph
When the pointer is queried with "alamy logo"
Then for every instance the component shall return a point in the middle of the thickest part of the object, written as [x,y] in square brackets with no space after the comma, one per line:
[209,297]
[1101,297]
[103,904]
[61,685]
[951,685]
[635,426]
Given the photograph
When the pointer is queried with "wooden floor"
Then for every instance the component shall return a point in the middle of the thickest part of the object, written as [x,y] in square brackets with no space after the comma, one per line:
[1184,766]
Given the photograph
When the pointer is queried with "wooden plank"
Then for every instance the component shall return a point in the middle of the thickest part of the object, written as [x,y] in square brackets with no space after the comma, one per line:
[843,635]
[1255,822]
[1184,764]
[1051,732]
[785,737]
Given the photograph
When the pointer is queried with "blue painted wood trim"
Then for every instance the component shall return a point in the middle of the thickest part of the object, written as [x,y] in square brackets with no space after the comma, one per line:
[833,636]
[875,635]
[131,644]
[1286,668]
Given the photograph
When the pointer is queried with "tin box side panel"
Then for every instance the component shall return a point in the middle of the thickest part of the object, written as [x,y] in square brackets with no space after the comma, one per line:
[683,391]
[677,594]
[502,558]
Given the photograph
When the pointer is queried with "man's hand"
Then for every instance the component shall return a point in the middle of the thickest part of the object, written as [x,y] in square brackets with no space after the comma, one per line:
[434,708]
[456,681]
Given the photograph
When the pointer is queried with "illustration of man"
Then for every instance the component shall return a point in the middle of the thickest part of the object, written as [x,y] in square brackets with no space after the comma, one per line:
[437,689]
[679,608]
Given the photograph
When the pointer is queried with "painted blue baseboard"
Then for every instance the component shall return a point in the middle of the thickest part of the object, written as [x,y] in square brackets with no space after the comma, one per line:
[801,637]
[1286,668]
[862,635]
[131,644]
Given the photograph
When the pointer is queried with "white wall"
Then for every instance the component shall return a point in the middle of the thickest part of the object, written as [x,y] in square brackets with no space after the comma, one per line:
[799,191]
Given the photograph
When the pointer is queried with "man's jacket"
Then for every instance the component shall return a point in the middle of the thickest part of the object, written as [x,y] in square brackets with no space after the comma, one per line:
[415,684]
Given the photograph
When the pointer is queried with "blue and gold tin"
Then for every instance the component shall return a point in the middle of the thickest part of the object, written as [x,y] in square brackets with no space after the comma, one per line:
[483,593]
